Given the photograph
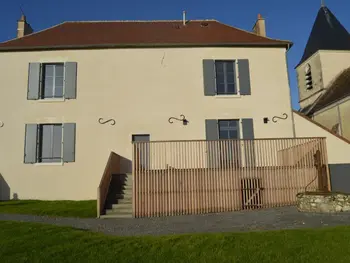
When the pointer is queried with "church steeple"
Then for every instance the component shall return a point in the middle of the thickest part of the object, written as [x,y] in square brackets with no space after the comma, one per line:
[327,34]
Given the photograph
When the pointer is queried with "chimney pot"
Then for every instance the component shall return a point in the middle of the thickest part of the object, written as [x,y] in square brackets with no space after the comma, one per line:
[260,27]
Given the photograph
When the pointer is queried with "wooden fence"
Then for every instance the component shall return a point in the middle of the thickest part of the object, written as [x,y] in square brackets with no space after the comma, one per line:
[192,177]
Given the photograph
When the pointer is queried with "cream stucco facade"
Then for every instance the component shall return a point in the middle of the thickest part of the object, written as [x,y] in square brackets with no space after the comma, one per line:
[138,88]
[337,149]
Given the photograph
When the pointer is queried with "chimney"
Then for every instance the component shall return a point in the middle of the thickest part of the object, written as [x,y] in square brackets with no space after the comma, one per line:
[23,28]
[184,18]
[259,27]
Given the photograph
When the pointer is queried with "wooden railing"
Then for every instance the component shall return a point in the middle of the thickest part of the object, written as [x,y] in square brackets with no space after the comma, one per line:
[191,177]
[112,167]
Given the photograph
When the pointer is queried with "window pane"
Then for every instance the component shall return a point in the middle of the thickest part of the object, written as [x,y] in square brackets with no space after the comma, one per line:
[233,124]
[220,78]
[230,77]
[49,69]
[58,92]
[59,70]
[57,143]
[219,66]
[223,124]
[231,89]
[230,67]
[223,135]
[233,134]
[220,88]
[45,143]
[48,87]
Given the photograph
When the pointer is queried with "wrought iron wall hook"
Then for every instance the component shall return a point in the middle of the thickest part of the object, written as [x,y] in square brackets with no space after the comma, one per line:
[183,119]
[112,121]
[1,124]
[281,118]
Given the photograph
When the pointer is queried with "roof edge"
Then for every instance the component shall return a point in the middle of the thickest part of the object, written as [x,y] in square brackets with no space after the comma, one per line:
[287,42]
[151,45]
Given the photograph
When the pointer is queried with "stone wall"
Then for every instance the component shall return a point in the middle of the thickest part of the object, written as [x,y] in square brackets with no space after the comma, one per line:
[323,202]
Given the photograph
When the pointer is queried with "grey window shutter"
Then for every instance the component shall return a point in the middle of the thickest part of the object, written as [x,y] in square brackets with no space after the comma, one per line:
[209,77]
[211,131]
[68,142]
[244,76]
[70,91]
[34,81]
[30,144]
[248,135]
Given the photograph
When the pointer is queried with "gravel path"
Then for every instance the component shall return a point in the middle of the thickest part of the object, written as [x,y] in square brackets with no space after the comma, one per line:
[267,219]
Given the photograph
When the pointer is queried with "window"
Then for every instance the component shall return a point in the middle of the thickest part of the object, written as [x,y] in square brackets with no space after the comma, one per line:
[225,77]
[49,143]
[52,81]
[228,129]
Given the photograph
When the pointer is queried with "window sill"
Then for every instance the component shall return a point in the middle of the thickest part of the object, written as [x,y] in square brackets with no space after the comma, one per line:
[52,100]
[49,164]
[227,96]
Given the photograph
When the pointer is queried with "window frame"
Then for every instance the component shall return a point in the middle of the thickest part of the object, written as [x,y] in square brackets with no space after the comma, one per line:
[235,79]
[39,144]
[42,82]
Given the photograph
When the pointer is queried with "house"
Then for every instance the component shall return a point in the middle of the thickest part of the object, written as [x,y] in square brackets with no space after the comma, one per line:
[169,101]
[324,74]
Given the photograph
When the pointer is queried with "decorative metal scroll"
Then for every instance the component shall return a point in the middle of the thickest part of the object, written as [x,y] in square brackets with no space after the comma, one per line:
[112,121]
[281,118]
[183,119]
[1,124]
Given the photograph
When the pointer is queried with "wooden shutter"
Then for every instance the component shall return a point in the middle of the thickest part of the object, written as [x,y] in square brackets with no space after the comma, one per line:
[69,142]
[249,149]
[244,77]
[30,144]
[209,77]
[212,133]
[70,91]
[34,81]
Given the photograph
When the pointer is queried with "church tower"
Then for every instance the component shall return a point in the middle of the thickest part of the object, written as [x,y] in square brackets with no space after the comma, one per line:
[326,55]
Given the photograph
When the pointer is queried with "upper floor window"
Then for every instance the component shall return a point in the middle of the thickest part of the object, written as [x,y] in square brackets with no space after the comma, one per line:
[52,81]
[308,77]
[225,77]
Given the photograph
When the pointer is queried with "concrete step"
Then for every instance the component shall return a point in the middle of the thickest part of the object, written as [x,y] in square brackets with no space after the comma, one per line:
[111,216]
[125,201]
[126,195]
[121,206]
[114,211]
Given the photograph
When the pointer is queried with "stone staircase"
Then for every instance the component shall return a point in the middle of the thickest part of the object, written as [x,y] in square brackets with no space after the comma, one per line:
[119,198]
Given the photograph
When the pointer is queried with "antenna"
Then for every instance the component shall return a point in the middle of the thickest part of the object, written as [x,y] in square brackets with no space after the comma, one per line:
[322,3]
[23,16]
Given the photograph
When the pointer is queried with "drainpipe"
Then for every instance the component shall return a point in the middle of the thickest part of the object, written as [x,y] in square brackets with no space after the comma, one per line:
[290,95]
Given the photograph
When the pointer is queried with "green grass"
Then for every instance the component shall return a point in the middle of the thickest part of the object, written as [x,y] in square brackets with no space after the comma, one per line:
[29,242]
[50,208]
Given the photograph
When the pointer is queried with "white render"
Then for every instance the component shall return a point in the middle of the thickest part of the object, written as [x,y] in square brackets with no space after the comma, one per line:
[140,89]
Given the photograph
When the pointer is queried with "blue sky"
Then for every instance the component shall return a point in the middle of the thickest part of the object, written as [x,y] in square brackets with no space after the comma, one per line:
[286,19]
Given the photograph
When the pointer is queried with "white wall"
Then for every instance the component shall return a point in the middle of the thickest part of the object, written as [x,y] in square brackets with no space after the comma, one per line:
[140,89]
[338,150]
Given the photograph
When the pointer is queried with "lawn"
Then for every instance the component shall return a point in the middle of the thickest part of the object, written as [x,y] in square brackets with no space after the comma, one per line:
[28,242]
[50,208]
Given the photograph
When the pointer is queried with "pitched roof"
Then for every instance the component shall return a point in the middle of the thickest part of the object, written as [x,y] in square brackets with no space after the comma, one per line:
[338,89]
[107,34]
[327,34]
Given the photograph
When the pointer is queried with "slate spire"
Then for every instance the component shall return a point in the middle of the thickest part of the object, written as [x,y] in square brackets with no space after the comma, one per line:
[327,34]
